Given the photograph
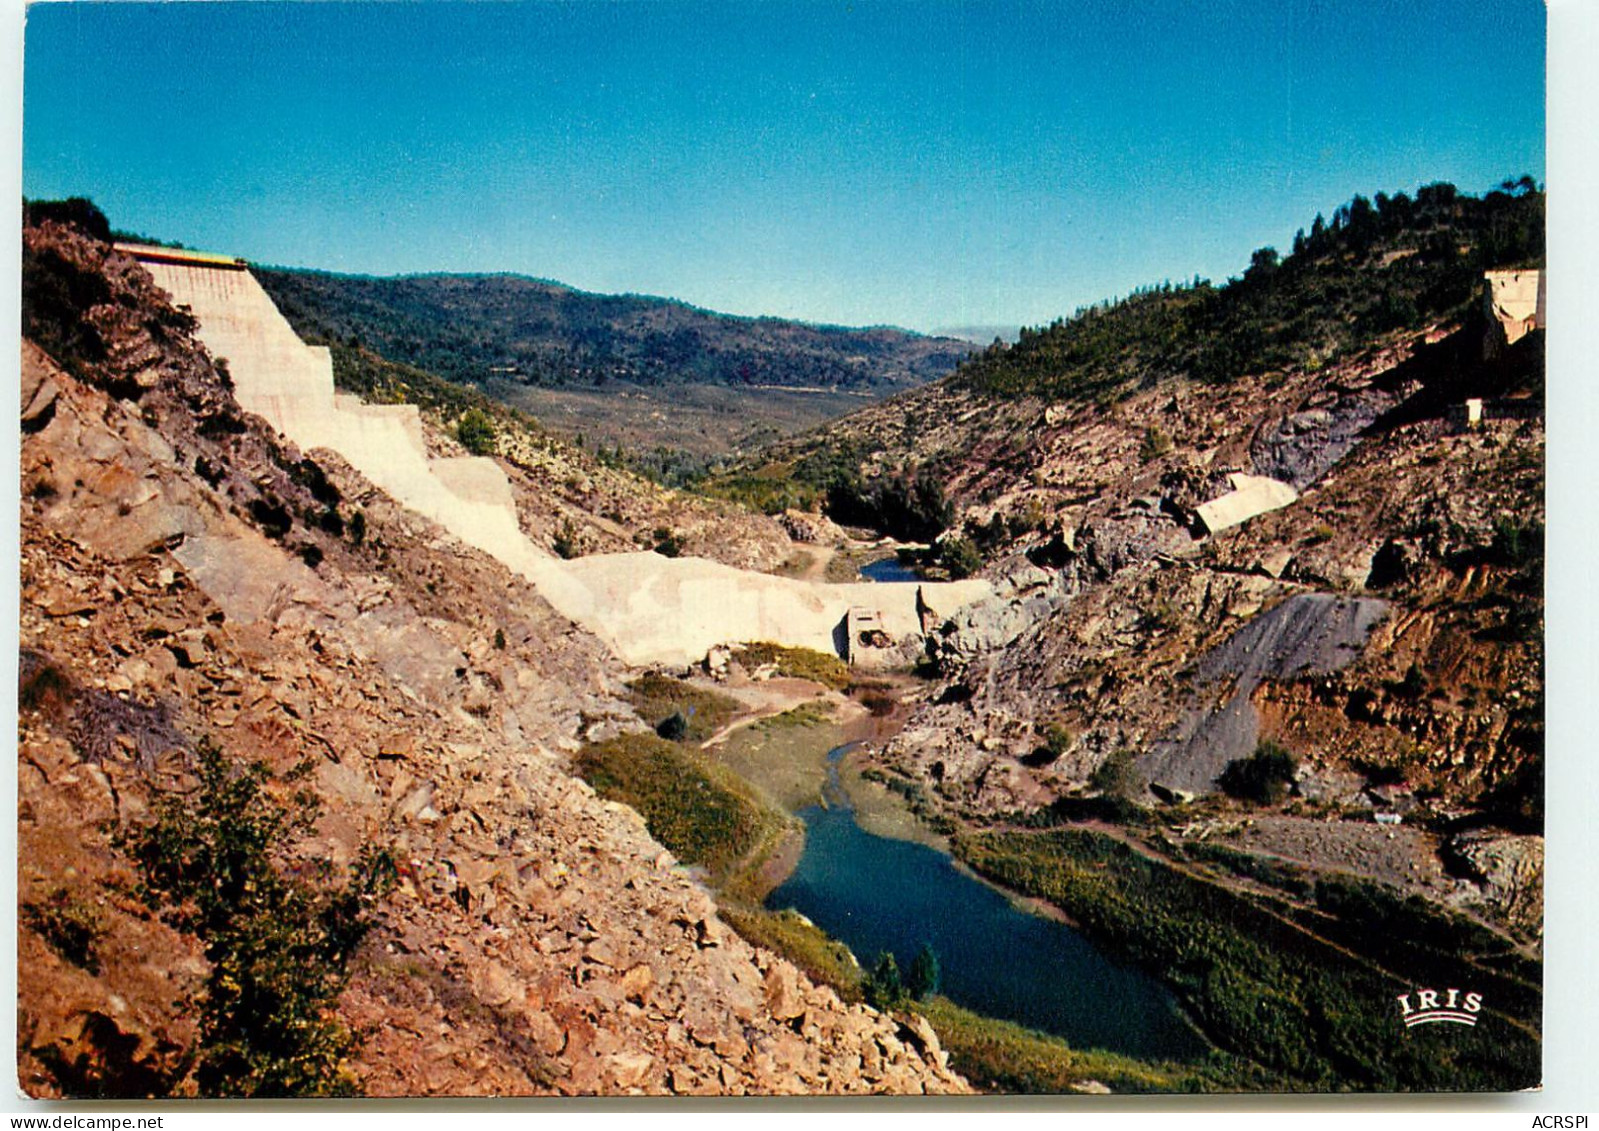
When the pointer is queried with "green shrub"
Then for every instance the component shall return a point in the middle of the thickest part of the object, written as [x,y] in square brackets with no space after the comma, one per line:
[475,430]
[331,521]
[911,506]
[921,980]
[1414,685]
[1155,444]
[667,543]
[566,544]
[960,556]
[278,944]
[1517,544]
[1115,776]
[78,211]
[1264,778]
[884,988]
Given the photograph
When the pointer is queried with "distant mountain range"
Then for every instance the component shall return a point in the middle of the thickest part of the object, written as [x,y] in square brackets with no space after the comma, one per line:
[982,334]
[478,328]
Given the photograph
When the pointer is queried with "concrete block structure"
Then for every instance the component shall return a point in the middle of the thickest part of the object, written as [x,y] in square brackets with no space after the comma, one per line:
[1516,302]
[1251,495]
[647,608]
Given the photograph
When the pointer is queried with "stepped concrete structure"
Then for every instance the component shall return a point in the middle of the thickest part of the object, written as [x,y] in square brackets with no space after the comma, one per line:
[647,608]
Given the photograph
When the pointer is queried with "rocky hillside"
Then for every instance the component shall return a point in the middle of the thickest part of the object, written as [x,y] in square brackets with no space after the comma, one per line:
[296,814]
[1077,462]
[1116,595]
[1288,763]
[1378,275]
[1120,655]
[473,328]
[1418,514]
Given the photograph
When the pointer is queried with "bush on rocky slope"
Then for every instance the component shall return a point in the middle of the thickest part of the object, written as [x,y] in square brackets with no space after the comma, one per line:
[797,663]
[214,860]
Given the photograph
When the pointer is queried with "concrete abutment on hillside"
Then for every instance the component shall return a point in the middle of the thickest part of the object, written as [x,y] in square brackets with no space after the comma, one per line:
[647,608]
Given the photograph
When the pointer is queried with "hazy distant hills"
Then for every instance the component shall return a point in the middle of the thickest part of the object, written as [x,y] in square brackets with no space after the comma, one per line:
[982,334]
[476,328]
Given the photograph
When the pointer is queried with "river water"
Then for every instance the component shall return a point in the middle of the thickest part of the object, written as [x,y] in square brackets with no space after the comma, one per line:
[876,895]
[888,569]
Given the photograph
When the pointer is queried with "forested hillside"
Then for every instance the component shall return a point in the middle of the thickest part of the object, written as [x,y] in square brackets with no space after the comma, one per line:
[473,328]
[1393,263]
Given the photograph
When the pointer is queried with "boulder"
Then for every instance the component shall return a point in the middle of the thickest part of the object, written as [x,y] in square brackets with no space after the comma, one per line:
[813,529]
[1508,871]
[783,998]
[39,391]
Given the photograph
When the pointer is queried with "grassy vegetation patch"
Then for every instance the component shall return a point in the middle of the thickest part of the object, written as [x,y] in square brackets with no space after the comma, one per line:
[1432,944]
[823,959]
[1006,1057]
[1291,878]
[1258,984]
[805,715]
[703,812]
[656,697]
[798,663]
[763,493]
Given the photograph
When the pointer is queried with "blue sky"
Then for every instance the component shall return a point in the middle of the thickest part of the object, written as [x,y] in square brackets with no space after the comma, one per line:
[924,164]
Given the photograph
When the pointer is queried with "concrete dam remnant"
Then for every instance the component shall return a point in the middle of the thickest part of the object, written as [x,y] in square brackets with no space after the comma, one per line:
[1251,495]
[646,607]
[1517,301]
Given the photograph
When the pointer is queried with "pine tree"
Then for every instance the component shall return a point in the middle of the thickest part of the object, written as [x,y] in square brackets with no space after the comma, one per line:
[884,987]
[921,981]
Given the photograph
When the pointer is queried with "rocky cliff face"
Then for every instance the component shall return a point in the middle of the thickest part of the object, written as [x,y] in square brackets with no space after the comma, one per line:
[185,577]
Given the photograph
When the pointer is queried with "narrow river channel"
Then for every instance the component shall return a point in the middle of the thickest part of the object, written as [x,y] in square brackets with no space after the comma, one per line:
[876,894]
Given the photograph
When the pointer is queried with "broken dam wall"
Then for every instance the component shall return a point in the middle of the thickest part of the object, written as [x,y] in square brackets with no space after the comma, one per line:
[647,608]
